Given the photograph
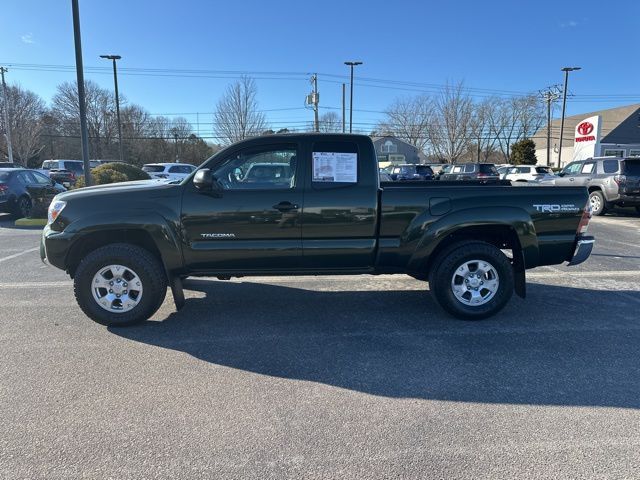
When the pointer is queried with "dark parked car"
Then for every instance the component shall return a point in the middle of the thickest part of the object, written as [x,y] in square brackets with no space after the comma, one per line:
[14,194]
[403,173]
[485,172]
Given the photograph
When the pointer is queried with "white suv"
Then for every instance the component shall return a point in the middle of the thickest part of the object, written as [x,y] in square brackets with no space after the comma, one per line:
[168,171]
[530,173]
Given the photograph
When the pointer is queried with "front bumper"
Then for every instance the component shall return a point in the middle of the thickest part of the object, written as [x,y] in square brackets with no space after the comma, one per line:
[584,245]
[54,247]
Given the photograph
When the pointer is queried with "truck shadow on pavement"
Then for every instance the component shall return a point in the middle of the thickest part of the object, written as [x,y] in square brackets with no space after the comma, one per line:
[562,346]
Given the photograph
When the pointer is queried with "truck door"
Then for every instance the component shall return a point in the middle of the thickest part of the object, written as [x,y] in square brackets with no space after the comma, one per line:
[254,222]
[340,205]
[567,176]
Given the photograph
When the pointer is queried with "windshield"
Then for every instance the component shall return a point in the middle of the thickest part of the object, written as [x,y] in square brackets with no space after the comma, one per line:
[153,168]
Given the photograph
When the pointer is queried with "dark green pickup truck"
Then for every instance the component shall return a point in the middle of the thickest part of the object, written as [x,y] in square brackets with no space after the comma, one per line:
[308,204]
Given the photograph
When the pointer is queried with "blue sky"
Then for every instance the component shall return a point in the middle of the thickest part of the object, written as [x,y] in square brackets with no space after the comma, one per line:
[503,46]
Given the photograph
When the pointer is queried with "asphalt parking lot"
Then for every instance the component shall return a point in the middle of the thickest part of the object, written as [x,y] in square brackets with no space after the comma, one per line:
[312,377]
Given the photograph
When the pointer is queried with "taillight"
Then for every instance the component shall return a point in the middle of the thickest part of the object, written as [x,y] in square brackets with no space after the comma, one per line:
[584,220]
[73,176]
[482,175]
[3,187]
[619,179]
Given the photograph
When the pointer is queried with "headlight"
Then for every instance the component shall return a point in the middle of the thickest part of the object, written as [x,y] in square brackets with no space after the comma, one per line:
[54,210]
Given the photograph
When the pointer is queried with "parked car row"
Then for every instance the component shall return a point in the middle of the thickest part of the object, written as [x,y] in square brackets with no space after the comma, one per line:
[611,181]
[66,172]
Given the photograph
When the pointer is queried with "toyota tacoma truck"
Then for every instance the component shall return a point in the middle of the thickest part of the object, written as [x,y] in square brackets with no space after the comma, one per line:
[308,204]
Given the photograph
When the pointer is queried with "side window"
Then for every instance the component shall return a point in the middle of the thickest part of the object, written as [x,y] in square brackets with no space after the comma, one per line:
[588,167]
[456,169]
[610,166]
[522,169]
[469,168]
[271,168]
[24,178]
[41,179]
[179,169]
[572,168]
[336,163]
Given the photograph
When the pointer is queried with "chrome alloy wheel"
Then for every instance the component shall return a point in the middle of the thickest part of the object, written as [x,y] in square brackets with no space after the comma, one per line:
[116,288]
[595,202]
[475,282]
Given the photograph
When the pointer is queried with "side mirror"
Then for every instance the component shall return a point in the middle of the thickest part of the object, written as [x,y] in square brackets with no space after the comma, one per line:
[561,174]
[204,181]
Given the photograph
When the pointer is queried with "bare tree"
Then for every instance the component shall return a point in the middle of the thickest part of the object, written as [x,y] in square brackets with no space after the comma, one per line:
[409,119]
[480,132]
[449,133]
[330,122]
[237,116]
[101,118]
[515,119]
[26,111]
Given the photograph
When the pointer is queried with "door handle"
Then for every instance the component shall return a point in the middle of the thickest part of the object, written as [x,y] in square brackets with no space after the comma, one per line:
[285,206]
[571,179]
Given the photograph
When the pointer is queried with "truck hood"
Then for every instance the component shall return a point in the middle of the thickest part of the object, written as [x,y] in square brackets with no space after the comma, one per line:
[146,186]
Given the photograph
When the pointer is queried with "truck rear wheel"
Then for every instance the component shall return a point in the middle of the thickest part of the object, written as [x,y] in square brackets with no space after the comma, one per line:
[472,280]
[119,285]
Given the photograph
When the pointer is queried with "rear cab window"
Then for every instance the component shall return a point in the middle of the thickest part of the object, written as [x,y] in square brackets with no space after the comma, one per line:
[73,166]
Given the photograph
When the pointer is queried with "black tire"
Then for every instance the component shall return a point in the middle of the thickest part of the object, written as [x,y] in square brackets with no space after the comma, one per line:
[451,259]
[146,266]
[598,203]
[23,207]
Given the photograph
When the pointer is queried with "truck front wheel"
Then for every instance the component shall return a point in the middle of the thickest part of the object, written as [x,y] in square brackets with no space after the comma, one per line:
[120,284]
[472,280]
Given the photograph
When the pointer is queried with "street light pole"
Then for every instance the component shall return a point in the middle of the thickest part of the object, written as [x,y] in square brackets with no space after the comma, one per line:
[566,71]
[115,83]
[84,135]
[351,64]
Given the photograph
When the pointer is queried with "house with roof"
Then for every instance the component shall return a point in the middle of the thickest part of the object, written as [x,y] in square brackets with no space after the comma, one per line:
[391,150]
[611,132]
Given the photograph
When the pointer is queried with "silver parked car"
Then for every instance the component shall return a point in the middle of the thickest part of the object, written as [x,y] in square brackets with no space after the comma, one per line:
[611,181]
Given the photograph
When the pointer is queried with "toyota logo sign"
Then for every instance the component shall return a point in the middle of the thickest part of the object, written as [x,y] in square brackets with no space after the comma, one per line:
[585,128]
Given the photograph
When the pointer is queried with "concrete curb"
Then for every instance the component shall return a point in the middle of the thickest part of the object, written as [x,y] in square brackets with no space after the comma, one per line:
[31,222]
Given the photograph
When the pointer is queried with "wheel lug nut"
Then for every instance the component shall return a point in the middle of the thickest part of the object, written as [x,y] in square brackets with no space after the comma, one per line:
[110,291]
[111,283]
[118,295]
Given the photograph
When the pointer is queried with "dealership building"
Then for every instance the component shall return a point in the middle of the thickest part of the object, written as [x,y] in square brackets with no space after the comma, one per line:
[612,132]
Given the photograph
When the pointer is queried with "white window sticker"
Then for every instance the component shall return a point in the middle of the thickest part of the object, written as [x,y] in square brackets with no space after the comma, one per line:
[335,167]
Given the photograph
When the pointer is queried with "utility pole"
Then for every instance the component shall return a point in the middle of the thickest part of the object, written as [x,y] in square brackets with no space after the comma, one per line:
[550,95]
[175,137]
[351,64]
[81,97]
[115,82]
[343,101]
[6,115]
[313,99]
[566,71]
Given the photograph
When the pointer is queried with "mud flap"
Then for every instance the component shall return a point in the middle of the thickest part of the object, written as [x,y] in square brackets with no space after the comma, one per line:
[177,292]
[519,276]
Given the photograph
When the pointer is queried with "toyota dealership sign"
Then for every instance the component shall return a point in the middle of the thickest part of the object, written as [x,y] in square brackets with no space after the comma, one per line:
[586,138]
